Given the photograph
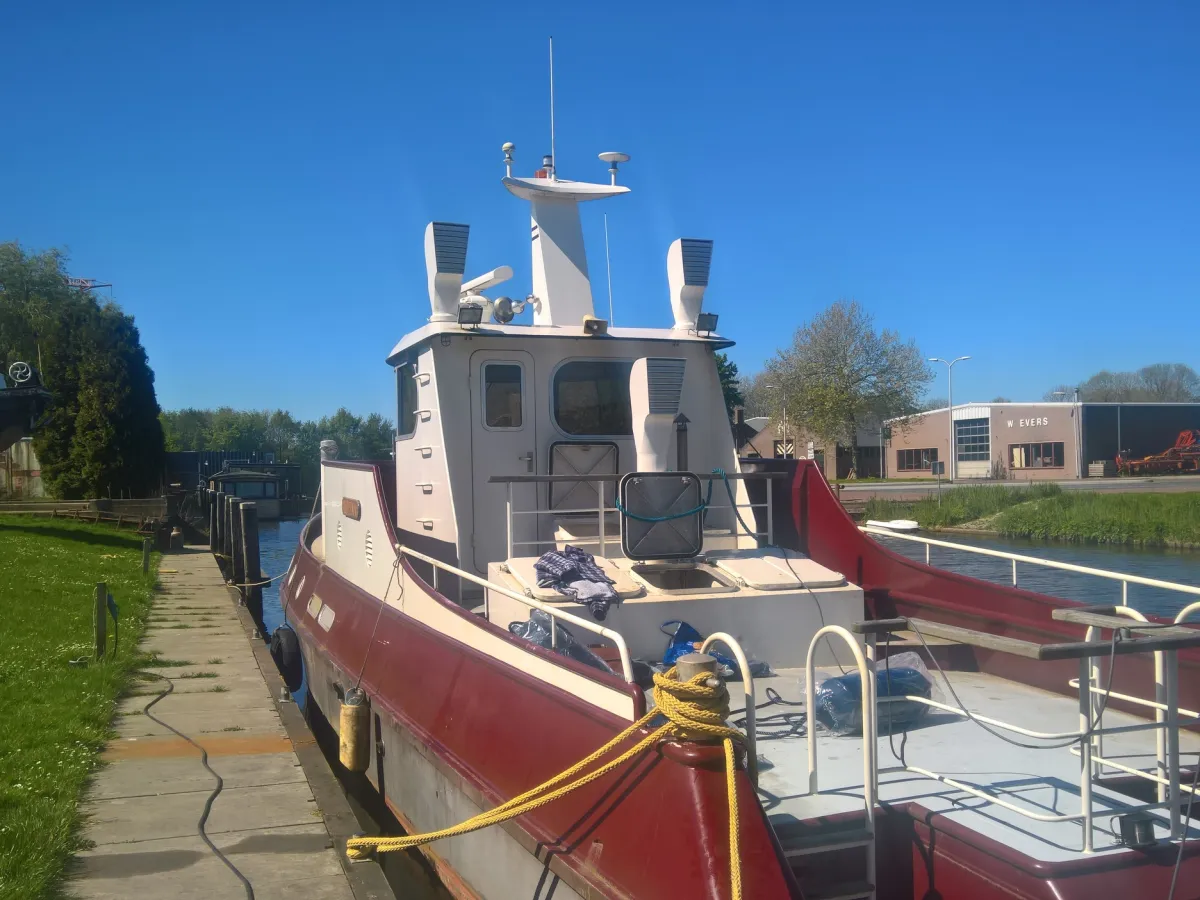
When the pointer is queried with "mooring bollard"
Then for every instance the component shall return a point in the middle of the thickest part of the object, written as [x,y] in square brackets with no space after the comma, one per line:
[100,619]
[250,564]
[238,554]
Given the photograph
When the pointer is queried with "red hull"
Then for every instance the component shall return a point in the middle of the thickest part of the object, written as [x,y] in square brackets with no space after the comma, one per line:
[658,830]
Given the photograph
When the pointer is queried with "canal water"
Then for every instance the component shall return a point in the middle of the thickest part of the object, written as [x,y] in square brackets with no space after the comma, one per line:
[1178,566]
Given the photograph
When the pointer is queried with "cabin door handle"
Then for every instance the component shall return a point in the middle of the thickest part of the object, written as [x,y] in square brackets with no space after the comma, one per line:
[528,457]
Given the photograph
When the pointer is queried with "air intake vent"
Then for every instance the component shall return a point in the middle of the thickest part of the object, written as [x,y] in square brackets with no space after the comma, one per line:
[450,243]
[339,536]
[697,258]
[664,377]
[369,549]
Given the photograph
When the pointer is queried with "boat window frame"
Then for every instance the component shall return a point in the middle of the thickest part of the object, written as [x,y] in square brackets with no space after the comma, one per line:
[551,399]
[483,384]
[401,435]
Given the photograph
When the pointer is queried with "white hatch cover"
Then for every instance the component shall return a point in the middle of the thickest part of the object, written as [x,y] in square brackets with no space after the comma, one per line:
[771,569]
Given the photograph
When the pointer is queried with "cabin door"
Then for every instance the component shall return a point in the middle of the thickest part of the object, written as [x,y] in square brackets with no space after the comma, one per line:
[503,442]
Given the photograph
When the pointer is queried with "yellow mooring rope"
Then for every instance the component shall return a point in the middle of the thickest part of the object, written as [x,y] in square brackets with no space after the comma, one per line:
[693,710]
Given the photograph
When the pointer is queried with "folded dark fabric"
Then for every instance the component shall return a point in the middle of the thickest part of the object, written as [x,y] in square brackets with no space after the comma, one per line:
[574,573]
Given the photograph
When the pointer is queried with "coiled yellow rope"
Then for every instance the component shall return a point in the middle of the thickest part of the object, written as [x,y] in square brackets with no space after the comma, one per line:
[693,709]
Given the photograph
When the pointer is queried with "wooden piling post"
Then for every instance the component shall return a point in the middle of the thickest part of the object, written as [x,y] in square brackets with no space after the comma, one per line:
[238,554]
[212,522]
[220,525]
[250,564]
[146,545]
[100,619]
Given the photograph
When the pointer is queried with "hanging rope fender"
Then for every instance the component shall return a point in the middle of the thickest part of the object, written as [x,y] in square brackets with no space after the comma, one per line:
[693,709]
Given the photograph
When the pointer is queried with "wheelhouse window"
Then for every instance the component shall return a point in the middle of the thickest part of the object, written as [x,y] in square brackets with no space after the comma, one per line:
[1043,455]
[916,460]
[591,397]
[502,395]
[406,400]
[973,437]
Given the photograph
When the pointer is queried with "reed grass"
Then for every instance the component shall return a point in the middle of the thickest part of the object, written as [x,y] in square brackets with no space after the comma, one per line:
[959,505]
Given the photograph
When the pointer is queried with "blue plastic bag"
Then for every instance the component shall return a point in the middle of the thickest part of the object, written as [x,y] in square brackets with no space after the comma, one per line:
[686,639]
[839,704]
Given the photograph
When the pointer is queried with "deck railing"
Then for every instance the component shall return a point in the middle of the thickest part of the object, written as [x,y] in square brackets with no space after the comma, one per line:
[601,511]
[1124,578]
[552,612]
[1163,642]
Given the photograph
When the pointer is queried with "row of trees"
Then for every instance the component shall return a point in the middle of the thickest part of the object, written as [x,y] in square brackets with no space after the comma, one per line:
[278,431]
[1161,383]
[101,436]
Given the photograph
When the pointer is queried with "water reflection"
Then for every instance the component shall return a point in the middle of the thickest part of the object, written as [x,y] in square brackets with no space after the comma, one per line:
[1180,566]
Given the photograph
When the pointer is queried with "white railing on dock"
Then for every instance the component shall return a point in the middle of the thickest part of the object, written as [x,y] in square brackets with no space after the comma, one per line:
[1124,578]
[615,637]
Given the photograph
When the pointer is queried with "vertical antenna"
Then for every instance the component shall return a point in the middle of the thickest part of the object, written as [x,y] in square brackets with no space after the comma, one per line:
[553,158]
[608,266]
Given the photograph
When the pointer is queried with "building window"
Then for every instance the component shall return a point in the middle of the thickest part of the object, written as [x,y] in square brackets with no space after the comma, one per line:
[1045,455]
[591,397]
[406,400]
[502,395]
[973,439]
[785,449]
[916,460]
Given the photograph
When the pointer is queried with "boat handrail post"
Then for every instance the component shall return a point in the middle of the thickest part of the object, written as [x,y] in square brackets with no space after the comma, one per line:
[770,515]
[1171,665]
[1085,749]
[748,683]
[600,518]
[1186,612]
[1014,562]
[509,519]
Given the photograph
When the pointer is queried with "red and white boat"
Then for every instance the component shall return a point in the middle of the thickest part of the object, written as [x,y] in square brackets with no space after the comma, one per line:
[515,439]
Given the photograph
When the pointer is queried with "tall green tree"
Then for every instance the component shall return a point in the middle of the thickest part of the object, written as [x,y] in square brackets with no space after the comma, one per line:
[839,373]
[727,371]
[1157,383]
[101,436]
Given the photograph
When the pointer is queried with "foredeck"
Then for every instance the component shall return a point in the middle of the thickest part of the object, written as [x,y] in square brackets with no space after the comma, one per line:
[1044,781]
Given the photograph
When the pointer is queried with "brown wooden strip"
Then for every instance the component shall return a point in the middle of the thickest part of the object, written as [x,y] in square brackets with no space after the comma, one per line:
[216,745]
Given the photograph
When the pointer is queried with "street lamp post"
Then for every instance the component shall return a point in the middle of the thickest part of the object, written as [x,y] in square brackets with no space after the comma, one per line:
[950,400]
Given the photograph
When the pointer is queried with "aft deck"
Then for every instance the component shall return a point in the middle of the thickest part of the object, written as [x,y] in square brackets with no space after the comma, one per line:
[1043,781]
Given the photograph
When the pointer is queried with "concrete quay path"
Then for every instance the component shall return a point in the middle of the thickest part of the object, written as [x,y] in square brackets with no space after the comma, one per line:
[142,808]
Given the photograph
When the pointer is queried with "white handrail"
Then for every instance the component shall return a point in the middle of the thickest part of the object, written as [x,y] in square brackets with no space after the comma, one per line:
[869,730]
[748,683]
[615,637]
[1186,612]
[1035,561]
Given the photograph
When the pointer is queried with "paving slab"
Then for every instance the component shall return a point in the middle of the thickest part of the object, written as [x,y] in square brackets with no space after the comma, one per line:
[143,805]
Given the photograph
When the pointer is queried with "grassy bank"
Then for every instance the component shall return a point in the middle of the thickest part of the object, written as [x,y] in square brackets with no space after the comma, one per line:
[56,716]
[1049,513]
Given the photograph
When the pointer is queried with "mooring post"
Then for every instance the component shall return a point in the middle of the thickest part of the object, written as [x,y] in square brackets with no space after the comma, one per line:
[220,526]
[239,549]
[250,564]
[100,618]
[146,544]
[212,522]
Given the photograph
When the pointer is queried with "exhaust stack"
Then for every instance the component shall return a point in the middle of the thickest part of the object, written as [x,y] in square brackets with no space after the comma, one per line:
[688,262]
[445,262]
[655,389]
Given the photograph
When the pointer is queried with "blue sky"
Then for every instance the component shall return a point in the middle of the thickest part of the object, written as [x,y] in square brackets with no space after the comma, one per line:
[1015,181]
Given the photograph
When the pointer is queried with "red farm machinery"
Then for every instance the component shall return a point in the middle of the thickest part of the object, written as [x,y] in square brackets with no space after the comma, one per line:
[1183,457]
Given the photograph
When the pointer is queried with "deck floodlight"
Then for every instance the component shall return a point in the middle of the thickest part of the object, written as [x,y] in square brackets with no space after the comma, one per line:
[706,322]
[470,315]
[1137,830]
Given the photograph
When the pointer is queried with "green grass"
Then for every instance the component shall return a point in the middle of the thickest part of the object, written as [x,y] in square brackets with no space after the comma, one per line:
[1150,520]
[197,675]
[1046,512]
[215,661]
[959,505]
[56,717]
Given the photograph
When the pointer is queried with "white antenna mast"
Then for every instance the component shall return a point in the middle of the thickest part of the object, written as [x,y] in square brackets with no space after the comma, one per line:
[608,265]
[553,158]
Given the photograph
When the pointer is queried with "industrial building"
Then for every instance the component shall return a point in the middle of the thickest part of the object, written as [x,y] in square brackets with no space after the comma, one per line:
[1032,441]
